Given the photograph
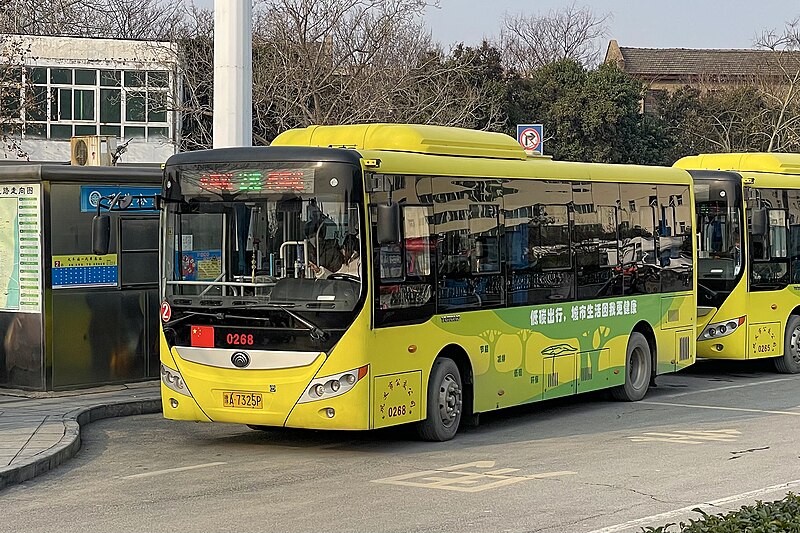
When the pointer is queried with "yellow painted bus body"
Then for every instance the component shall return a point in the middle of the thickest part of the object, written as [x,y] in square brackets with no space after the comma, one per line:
[515,355]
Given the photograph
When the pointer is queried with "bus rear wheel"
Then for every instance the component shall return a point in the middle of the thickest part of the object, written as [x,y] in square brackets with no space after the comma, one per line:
[445,402]
[789,362]
[638,367]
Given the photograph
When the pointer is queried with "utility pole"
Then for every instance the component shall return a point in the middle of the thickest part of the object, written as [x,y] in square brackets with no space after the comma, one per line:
[233,73]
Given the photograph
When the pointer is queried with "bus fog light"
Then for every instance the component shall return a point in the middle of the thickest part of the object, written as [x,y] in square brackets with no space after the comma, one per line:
[173,380]
[173,403]
[721,329]
[333,385]
[330,412]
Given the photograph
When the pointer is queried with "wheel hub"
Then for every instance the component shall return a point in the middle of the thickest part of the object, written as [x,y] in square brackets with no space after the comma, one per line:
[449,400]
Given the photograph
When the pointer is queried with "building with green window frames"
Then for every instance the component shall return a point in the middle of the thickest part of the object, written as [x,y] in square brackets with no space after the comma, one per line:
[80,86]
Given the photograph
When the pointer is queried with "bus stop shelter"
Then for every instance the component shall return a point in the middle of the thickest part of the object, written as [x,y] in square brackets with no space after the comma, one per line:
[70,318]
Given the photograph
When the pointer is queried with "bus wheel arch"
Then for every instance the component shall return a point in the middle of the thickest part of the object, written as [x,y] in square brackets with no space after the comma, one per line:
[789,362]
[639,361]
[650,335]
[450,381]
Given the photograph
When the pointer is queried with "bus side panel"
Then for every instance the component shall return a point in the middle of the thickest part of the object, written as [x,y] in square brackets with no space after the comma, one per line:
[524,354]
[676,336]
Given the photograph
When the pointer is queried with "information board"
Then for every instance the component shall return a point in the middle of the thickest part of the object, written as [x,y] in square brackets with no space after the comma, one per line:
[71,271]
[20,248]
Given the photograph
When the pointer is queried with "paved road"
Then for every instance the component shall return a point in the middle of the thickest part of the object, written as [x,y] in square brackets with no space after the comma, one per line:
[716,433]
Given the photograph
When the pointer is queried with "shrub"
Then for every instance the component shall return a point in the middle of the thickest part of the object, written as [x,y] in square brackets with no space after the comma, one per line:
[782,516]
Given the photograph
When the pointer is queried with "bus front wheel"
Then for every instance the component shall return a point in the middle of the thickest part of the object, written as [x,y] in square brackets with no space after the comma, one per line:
[638,367]
[789,362]
[445,402]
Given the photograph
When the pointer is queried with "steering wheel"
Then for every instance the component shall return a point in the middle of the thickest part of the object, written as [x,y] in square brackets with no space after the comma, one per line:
[346,277]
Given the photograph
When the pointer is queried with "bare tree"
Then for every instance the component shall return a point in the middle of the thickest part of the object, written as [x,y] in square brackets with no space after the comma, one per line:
[532,41]
[13,94]
[780,85]
[329,61]
[118,19]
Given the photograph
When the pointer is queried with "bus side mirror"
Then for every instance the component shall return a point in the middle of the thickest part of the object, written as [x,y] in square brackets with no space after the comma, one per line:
[758,222]
[101,234]
[388,223]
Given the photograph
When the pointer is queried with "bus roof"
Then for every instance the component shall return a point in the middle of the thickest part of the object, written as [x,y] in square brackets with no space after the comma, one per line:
[415,138]
[776,163]
[407,148]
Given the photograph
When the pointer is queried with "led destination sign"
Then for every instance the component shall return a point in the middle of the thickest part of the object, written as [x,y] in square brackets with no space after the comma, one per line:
[251,181]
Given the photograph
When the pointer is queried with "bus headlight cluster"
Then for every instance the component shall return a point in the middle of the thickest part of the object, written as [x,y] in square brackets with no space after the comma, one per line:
[173,380]
[721,329]
[332,386]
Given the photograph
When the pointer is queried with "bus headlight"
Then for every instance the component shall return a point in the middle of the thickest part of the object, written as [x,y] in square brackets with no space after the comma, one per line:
[174,381]
[721,329]
[332,386]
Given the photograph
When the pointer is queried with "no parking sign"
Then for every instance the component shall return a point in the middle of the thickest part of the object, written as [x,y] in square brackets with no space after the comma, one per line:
[530,137]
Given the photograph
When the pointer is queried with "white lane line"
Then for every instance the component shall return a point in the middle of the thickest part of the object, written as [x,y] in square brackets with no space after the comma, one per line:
[721,408]
[706,506]
[756,384]
[171,470]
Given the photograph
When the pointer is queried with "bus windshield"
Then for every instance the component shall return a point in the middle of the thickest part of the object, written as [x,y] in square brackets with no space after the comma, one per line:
[720,230]
[287,235]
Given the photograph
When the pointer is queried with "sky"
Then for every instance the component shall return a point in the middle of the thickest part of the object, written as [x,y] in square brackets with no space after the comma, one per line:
[635,23]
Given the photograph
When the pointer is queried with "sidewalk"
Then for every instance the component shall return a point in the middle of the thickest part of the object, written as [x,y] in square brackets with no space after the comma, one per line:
[39,431]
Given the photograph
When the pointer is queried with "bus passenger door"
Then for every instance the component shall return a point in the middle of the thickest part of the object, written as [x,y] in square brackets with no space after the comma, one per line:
[767,310]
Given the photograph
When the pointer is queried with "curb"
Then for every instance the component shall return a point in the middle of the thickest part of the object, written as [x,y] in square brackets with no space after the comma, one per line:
[70,443]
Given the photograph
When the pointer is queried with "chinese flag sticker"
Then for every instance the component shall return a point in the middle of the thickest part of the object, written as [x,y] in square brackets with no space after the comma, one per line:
[203,336]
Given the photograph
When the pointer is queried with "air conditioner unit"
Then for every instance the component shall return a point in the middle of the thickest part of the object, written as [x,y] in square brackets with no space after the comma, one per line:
[92,150]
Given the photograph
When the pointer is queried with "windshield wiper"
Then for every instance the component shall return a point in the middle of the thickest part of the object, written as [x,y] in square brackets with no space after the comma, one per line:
[218,316]
[314,331]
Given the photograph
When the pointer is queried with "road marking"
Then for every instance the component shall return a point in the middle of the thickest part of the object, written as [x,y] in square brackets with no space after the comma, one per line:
[171,470]
[721,408]
[464,478]
[688,436]
[711,506]
[729,387]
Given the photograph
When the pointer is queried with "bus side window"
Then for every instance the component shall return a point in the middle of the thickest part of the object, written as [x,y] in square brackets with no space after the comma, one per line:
[404,270]
[537,238]
[595,240]
[467,213]
[768,232]
[638,220]
[794,234]
[675,238]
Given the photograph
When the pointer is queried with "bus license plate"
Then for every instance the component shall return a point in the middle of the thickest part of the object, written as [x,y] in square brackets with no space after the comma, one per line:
[243,400]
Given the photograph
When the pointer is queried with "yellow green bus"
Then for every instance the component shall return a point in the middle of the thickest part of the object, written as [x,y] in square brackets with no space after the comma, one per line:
[365,276]
[748,225]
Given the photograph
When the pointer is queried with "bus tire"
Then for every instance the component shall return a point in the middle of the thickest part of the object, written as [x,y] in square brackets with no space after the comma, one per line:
[445,402]
[789,362]
[638,367]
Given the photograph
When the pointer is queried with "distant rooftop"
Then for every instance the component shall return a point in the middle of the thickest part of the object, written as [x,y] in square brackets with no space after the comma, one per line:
[685,62]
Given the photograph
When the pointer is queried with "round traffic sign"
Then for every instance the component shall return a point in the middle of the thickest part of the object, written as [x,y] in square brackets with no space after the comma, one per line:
[166,311]
[530,139]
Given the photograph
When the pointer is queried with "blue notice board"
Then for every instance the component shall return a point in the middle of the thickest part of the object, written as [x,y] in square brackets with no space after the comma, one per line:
[85,271]
[143,197]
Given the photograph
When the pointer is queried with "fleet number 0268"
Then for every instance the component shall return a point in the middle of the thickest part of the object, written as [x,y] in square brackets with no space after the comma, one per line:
[240,339]
[398,410]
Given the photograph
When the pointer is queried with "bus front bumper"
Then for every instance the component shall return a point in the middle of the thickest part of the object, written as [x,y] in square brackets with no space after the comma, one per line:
[264,397]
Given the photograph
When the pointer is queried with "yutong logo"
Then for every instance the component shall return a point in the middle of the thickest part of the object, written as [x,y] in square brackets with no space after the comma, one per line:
[240,359]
